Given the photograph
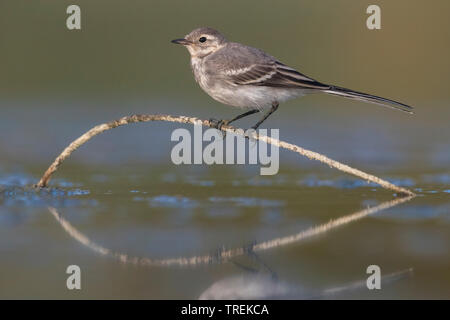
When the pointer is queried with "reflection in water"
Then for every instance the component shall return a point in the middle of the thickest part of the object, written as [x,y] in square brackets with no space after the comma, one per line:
[223,255]
[251,286]
[264,286]
[323,228]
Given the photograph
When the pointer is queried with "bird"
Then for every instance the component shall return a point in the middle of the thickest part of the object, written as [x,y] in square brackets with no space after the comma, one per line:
[245,77]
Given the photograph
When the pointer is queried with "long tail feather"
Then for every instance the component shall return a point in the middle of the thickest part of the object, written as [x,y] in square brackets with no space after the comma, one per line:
[347,93]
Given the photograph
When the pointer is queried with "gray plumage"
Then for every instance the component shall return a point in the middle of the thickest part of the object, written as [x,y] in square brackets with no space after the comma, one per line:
[247,77]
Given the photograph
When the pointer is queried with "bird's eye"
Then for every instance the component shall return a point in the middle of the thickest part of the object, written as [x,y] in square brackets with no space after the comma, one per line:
[202,39]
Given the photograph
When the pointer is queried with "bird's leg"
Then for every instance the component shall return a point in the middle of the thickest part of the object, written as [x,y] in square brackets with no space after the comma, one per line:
[243,115]
[219,123]
[268,113]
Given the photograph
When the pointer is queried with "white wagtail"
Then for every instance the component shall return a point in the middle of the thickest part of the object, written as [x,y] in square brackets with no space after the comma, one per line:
[246,77]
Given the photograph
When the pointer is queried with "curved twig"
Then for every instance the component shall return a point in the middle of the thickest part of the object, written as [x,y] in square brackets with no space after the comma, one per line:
[183,119]
[224,254]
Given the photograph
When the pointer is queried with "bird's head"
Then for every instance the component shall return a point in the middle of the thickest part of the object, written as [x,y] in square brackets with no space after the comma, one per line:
[202,41]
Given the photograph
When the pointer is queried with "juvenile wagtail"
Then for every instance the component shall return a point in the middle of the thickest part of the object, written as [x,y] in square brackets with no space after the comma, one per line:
[246,77]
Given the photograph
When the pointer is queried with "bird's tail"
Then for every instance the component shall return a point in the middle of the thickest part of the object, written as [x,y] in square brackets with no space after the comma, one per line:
[347,93]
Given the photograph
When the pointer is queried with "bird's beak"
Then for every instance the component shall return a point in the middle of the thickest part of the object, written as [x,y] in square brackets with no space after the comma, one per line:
[182,41]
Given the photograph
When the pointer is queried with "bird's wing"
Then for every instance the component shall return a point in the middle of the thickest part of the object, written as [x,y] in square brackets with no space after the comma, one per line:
[272,74]
[243,65]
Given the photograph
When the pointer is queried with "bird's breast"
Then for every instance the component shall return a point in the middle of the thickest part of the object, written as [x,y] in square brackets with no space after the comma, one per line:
[213,86]
[199,73]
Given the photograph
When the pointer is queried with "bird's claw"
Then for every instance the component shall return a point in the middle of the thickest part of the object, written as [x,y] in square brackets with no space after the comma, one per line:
[218,124]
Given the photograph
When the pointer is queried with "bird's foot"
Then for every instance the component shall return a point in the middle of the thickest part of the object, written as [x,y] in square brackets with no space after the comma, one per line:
[218,124]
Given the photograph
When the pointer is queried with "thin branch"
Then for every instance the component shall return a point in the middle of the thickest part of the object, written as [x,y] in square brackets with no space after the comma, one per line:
[223,255]
[182,119]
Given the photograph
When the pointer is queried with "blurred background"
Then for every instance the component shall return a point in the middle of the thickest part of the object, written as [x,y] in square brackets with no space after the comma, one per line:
[56,83]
